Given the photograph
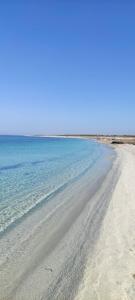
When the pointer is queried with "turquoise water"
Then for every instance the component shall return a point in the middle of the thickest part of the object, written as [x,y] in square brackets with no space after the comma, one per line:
[32,168]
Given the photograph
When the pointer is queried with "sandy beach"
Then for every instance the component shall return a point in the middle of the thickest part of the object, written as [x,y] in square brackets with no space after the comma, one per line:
[83,249]
[110,273]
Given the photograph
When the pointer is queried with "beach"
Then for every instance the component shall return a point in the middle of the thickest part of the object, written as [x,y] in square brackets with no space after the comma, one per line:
[81,249]
[110,273]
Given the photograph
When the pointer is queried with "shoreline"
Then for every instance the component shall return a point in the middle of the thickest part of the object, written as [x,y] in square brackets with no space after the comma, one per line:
[44,256]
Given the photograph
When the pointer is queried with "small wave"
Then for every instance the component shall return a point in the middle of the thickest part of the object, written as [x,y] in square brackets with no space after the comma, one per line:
[11,167]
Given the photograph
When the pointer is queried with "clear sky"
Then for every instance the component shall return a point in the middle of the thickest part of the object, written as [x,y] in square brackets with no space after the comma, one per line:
[67,66]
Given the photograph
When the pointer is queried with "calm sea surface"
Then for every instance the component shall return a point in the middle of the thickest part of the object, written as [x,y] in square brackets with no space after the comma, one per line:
[33,168]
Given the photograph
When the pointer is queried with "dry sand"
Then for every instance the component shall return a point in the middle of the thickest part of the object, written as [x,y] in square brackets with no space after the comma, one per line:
[110,273]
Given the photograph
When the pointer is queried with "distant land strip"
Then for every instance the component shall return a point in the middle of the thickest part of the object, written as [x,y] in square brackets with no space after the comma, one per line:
[107,139]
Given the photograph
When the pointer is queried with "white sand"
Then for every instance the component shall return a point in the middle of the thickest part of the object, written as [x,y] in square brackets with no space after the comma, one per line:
[110,272]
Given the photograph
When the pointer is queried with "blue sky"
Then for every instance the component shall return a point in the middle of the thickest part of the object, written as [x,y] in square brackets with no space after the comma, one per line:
[67,66]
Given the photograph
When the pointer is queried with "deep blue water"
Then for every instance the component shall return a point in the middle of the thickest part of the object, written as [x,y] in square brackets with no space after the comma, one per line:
[32,168]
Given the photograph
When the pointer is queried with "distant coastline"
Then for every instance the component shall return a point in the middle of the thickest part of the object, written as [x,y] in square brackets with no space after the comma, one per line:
[107,139]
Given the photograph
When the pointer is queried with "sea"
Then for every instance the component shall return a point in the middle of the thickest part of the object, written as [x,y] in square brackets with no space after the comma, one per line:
[34,168]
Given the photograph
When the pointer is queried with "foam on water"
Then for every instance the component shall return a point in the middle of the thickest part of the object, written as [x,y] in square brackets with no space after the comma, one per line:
[32,168]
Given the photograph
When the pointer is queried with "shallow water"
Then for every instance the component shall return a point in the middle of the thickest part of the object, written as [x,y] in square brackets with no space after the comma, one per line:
[33,168]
